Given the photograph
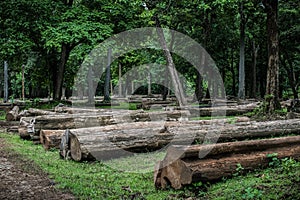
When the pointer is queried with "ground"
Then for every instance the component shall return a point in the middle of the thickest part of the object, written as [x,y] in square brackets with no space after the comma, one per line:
[23,179]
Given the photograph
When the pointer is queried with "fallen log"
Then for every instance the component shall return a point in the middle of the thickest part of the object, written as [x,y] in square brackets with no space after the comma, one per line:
[51,138]
[13,114]
[114,141]
[37,112]
[67,121]
[182,165]
[221,110]
[59,133]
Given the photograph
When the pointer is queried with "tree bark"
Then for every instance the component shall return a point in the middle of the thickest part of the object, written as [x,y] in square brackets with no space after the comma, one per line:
[51,138]
[107,78]
[102,143]
[241,93]
[291,75]
[13,114]
[221,160]
[59,74]
[253,71]
[82,120]
[272,89]
[178,89]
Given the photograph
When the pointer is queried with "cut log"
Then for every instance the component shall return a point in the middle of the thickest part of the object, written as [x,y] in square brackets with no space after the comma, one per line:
[113,141]
[37,112]
[221,160]
[221,110]
[51,138]
[67,121]
[13,114]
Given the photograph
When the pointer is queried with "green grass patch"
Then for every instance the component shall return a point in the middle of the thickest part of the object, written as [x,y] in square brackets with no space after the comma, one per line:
[122,106]
[97,180]
[213,117]
[2,115]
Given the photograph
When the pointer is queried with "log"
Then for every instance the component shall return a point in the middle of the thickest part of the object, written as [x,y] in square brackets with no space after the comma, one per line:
[182,165]
[221,110]
[102,143]
[13,114]
[51,138]
[37,112]
[67,121]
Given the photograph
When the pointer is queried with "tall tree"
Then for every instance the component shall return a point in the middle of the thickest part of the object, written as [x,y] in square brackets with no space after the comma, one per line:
[272,90]
[241,93]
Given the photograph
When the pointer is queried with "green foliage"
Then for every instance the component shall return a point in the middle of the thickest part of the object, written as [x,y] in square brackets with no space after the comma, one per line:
[2,115]
[239,170]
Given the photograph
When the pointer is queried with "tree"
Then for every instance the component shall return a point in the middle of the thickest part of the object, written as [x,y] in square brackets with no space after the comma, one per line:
[272,95]
[243,20]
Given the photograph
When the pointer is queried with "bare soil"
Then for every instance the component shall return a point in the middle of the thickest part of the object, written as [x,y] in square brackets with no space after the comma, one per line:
[23,179]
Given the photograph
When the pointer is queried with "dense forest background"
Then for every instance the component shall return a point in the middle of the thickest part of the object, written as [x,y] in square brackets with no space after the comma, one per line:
[51,38]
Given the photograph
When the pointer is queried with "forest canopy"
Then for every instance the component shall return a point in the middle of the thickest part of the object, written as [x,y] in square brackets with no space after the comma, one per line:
[51,38]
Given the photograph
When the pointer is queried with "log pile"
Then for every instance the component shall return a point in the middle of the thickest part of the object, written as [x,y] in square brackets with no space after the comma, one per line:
[221,110]
[118,140]
[12,114]
[51,138]
[184,165]
[64,121]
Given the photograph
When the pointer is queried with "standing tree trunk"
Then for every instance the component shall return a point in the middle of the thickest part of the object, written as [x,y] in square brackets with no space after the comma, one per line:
[178,89]
[120,81]
[232,69]
[5,82]
[291,74]
[107,78]
[241,94]
[59,73]
[272,95]
[254,59]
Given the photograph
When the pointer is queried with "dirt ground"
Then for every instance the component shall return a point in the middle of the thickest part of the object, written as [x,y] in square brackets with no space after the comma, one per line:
[22,179]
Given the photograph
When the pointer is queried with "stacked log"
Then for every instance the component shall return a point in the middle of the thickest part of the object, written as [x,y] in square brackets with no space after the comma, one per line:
[64,121]
[9,126]
[51,138]
[221,110]
[12,114]
[57,134]
[113,141]
[182,164]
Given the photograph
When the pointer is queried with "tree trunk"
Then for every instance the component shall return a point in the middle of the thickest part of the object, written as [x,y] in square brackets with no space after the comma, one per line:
[233,74]
[272,96]
[59,74]
[241,94]
[253,71]
[82,120]
[13,114]
[229,110]
[51,138]
[182,165]
[291,75]
[120,83]
[114,141]
[178,89]
[107,78]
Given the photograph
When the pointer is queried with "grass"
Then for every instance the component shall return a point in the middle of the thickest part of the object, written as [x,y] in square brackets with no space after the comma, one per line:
[2,115]
[122,106]
[97,180]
